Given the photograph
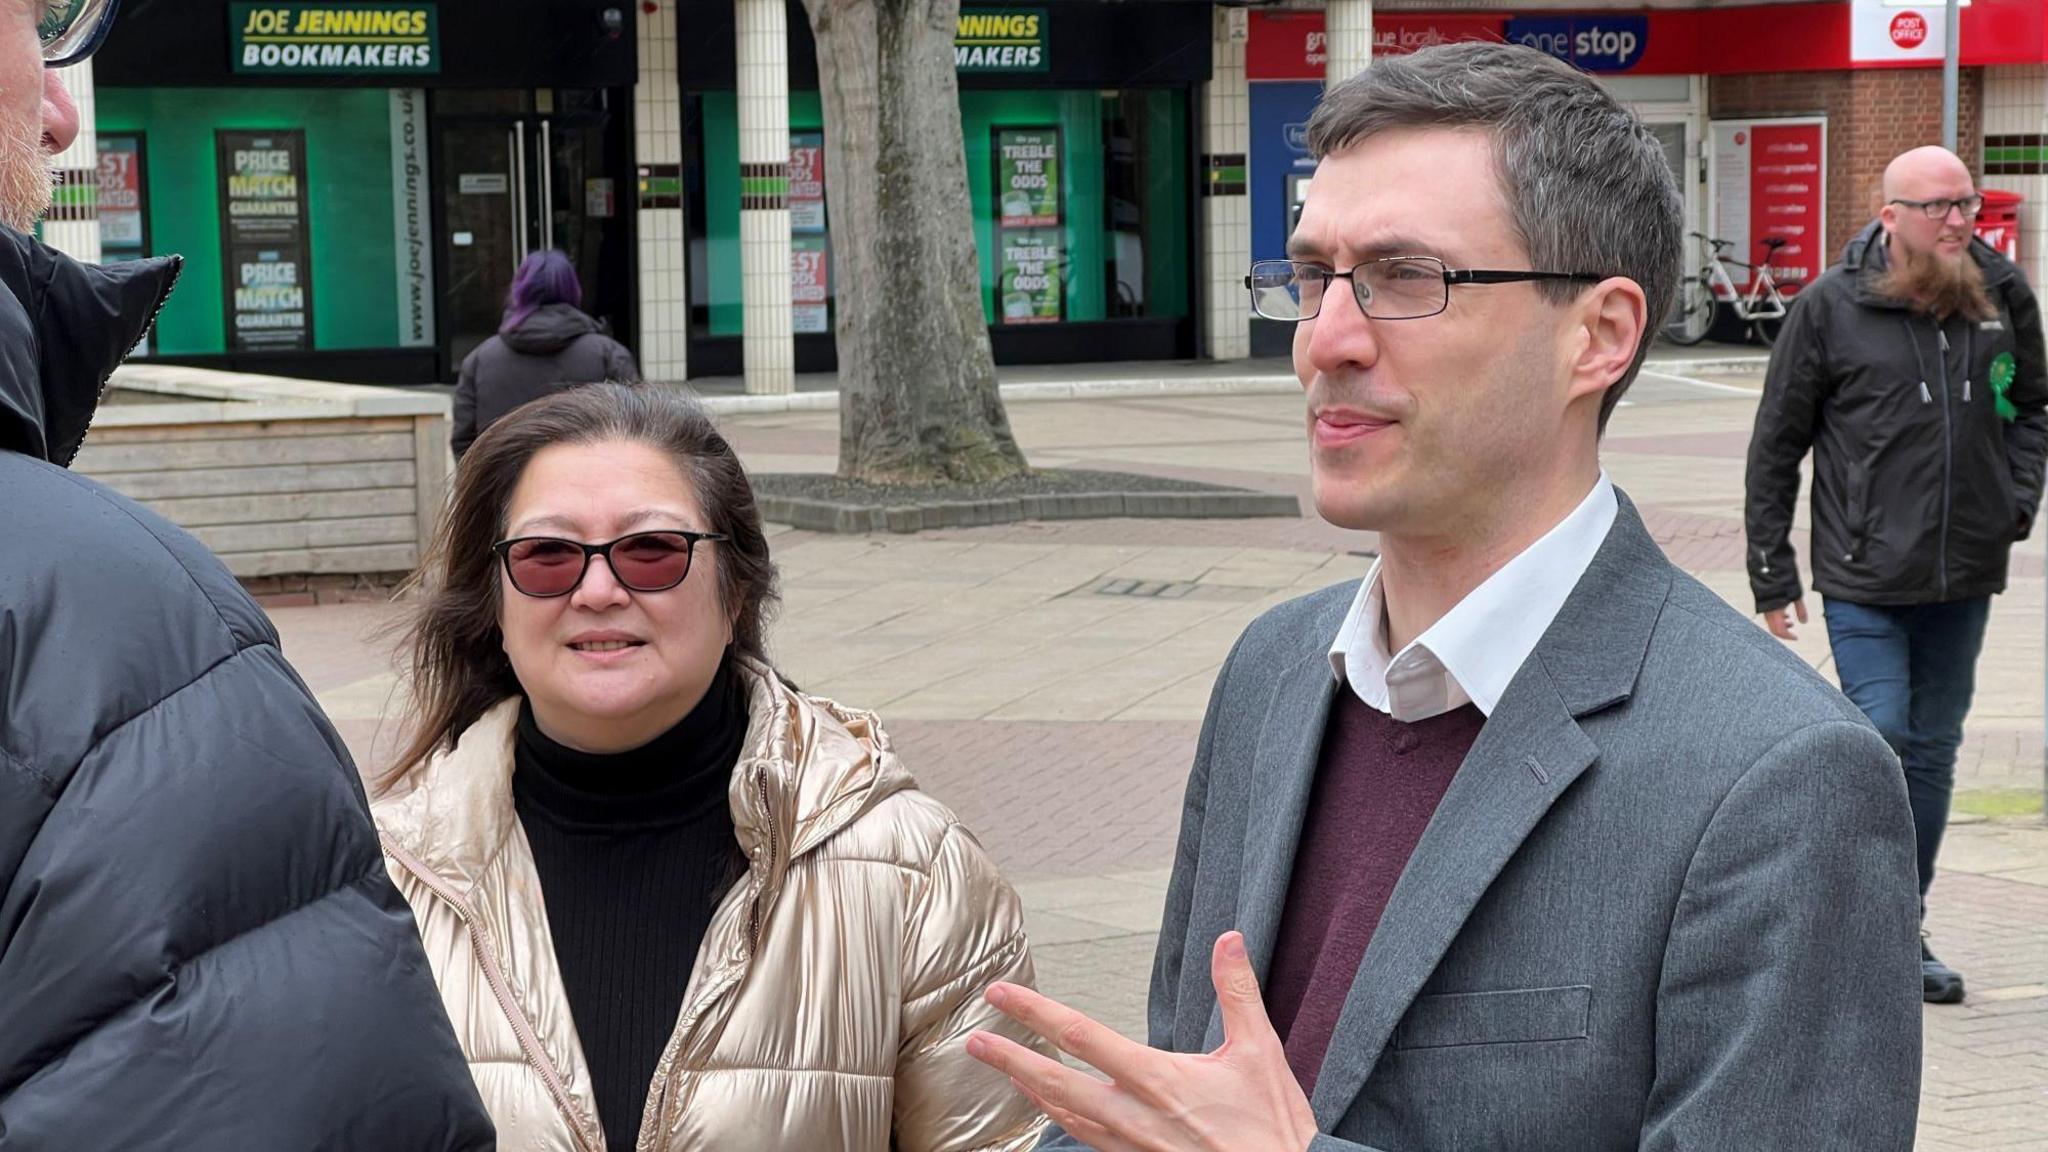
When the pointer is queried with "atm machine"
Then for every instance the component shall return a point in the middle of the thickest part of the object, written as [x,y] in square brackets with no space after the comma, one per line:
[1297,193]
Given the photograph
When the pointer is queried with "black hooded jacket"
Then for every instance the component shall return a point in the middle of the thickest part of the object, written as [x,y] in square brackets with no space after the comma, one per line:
[555,347]
[1920,486]
[199,945]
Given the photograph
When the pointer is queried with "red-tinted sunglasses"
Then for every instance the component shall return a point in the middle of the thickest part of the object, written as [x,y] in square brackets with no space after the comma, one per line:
[549,566]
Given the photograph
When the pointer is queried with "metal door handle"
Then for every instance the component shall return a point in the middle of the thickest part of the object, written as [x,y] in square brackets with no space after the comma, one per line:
[519,221]
[547,186]
[512,190]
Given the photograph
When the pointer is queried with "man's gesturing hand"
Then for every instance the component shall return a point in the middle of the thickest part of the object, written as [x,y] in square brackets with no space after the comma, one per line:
[1241,1096]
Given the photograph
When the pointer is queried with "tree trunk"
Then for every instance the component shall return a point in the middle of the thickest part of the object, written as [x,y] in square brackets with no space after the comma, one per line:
[917,382]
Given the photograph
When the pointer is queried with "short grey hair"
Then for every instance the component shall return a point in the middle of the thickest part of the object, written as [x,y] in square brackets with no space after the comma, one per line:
[1588,187]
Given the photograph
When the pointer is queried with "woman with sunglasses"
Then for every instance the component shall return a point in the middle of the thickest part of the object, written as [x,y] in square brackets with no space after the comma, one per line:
[671,901]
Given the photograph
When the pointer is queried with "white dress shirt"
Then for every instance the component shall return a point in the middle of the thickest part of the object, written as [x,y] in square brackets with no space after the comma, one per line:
[1470,655]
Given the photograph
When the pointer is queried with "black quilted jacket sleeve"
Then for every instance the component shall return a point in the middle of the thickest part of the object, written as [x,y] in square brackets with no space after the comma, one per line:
[199,947]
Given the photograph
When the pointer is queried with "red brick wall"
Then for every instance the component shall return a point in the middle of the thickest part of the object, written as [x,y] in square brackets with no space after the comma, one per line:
[1873,115]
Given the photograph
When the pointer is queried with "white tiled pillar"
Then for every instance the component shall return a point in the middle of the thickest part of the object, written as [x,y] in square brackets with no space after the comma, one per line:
[73,225]
[2015,121]
[658,153]
[764,196]
[1348,27]
[1226,209]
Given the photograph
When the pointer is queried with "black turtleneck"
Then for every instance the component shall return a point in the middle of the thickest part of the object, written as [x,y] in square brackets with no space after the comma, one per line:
[634,849]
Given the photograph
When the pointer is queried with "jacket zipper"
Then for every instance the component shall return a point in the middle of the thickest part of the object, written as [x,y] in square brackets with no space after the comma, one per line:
[529,1043]
[660,1113]
[668,1094]
[1948,452]
[774,850]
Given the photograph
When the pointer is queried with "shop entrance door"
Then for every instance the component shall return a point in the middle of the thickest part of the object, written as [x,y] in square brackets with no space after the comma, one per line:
[1680,147]
[522,172]
[1680,138]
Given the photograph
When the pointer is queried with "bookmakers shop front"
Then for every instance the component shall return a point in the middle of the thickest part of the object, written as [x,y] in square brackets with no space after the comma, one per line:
[355,183]
[1079,124]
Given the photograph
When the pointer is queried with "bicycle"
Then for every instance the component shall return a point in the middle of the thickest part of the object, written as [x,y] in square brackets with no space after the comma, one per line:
[1762,307]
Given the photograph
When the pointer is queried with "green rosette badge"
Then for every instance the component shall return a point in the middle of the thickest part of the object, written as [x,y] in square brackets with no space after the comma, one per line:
[2002,371]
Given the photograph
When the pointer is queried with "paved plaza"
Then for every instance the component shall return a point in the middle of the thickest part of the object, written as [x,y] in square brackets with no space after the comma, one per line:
[1048,680]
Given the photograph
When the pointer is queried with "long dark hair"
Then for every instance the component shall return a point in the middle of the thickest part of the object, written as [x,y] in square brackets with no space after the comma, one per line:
[544,278]
[454,652]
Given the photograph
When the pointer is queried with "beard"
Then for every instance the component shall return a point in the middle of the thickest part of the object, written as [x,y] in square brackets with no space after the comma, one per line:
[26,179]
[1937,285]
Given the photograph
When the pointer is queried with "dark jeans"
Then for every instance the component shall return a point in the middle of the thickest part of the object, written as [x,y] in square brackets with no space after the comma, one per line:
[1912,671]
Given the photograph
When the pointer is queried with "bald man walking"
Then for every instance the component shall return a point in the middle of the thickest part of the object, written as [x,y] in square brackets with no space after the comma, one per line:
[1914,371]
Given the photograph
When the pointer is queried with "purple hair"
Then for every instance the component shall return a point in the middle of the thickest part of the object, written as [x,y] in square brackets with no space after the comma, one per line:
[544,278]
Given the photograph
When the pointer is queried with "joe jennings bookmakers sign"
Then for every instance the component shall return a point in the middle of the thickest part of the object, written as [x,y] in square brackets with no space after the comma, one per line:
[335,39]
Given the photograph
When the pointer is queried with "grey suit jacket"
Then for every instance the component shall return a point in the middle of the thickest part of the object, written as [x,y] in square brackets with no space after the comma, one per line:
[1668,902]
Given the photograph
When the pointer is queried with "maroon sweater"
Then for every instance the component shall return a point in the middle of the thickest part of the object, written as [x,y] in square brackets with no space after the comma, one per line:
[1377,784]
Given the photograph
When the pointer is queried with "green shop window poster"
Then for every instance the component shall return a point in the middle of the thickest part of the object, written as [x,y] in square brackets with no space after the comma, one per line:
[1032,291]
[1027,177]
[264,250]
[1030,239]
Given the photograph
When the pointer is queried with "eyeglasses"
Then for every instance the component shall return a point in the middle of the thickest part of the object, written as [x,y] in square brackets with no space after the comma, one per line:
[1939,209]
[548,566]
[72,30]
[1397,288]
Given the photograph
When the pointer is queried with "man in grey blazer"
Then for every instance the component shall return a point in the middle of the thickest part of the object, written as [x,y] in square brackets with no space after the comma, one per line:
[1527,841]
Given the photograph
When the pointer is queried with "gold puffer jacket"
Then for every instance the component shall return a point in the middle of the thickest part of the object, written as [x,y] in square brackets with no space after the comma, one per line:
[837,984]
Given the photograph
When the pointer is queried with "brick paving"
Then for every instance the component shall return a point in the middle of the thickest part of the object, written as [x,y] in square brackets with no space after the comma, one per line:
[1104,977]
[1985,1062]
[1306,534]
[1060,723]
[335,645]
[1057,799]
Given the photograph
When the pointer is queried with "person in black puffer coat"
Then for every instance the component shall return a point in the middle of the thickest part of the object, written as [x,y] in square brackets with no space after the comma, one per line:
[546,343]
[199,944]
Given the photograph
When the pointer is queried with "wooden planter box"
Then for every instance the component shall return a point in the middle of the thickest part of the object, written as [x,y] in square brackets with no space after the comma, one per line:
[278,477]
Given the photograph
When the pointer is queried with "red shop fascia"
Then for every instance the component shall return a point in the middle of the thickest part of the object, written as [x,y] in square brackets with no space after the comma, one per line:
[1813,37]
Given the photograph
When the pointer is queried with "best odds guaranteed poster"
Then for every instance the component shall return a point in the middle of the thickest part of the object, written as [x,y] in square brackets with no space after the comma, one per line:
[810,244]
[124,224]
[264,248]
